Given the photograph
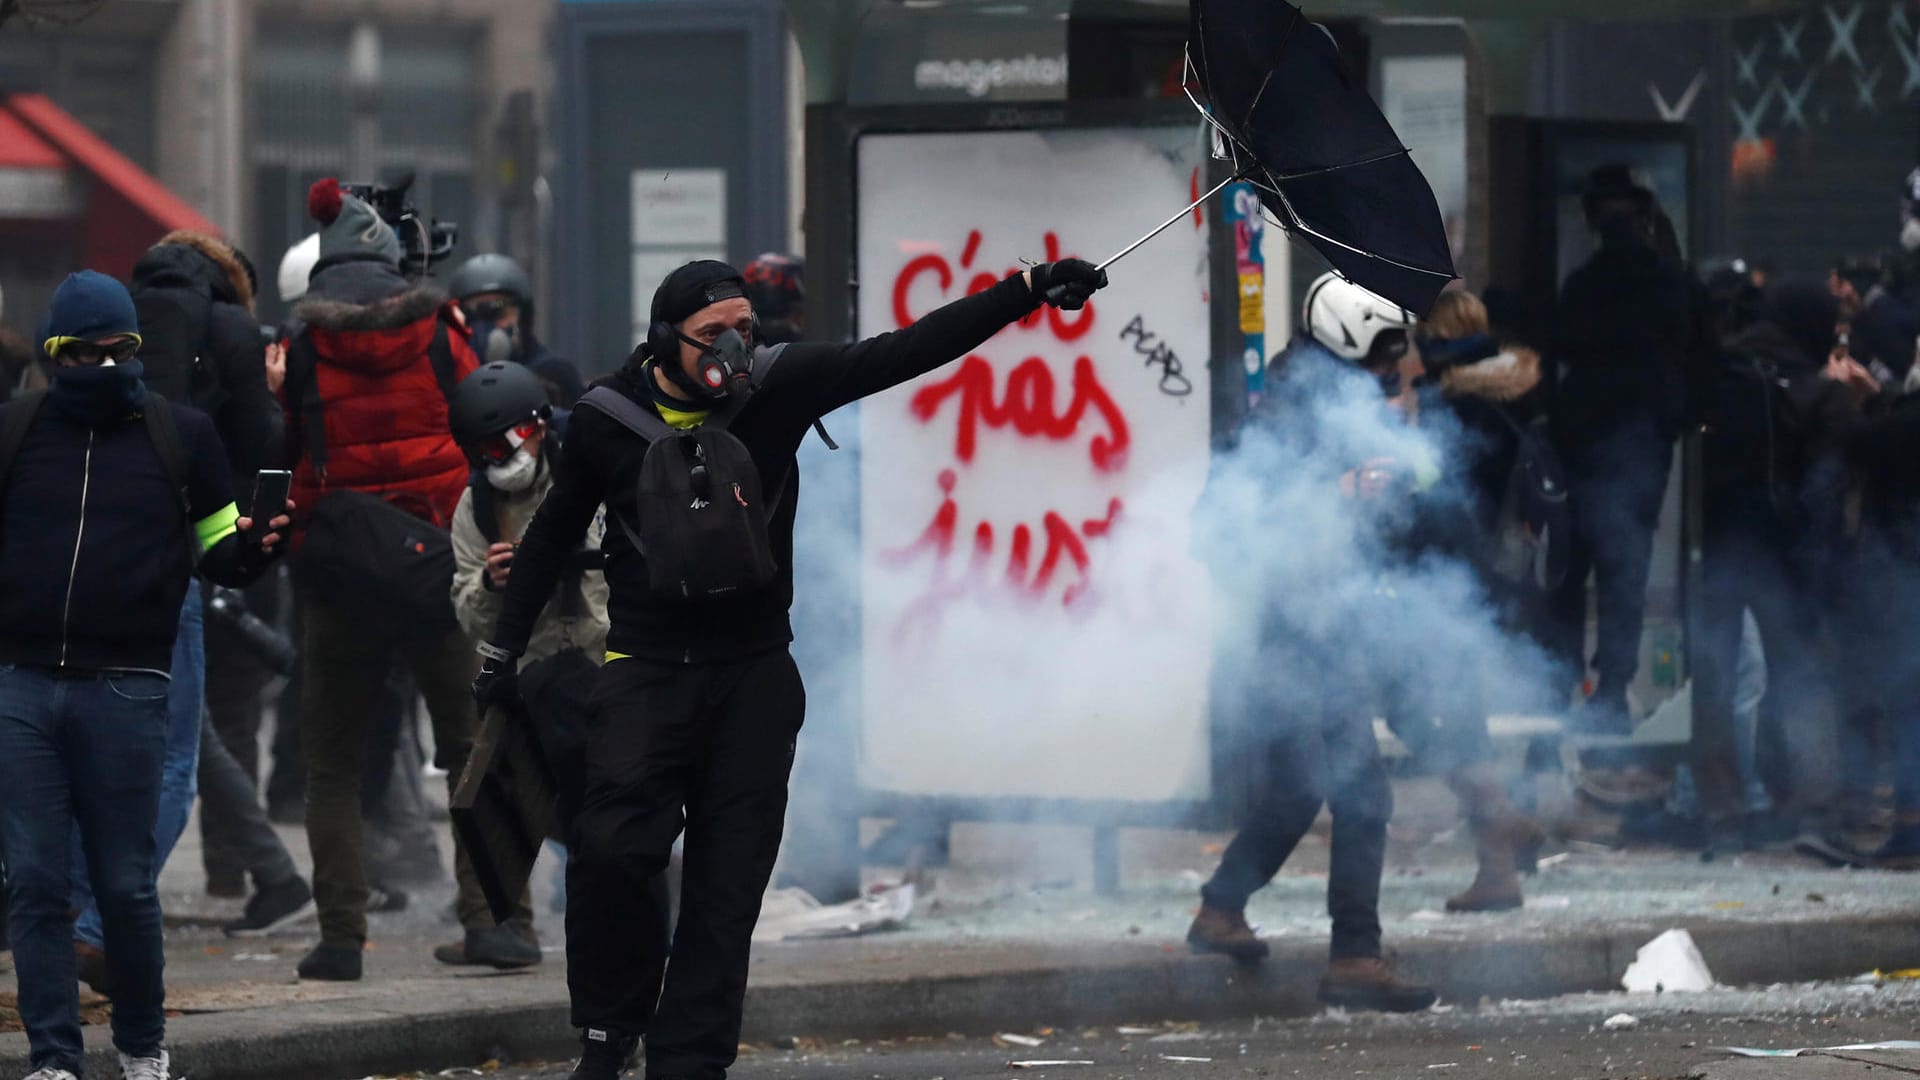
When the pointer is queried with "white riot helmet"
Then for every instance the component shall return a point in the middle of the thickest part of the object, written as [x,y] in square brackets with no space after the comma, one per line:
[296,266]
[1350,322]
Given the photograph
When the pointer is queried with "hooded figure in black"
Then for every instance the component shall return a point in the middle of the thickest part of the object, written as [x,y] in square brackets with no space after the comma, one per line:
[1623,329]
[203,346]
[691,448]
[1776,426]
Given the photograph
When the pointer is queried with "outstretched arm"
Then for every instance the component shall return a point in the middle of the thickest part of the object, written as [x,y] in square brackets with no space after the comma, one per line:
[836,375]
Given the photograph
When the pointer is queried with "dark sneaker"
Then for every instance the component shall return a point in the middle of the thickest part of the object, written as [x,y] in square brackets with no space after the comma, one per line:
[332,963]
[273,909]
[1366,982]
[502,947]
[94,970]
[1833,850]
[604,1055]
[1226,933]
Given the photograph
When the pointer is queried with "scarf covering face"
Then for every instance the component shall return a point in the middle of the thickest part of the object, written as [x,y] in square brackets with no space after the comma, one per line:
[100,394]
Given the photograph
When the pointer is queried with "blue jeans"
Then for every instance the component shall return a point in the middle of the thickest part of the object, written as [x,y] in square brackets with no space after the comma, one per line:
[82,751]
[179,786]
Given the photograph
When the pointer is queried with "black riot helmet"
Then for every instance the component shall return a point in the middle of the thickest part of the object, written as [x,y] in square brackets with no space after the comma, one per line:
[491,273]
[493,401]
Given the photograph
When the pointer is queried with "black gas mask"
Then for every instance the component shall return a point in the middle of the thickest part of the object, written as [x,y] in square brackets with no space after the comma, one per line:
[492,341]
[724,370]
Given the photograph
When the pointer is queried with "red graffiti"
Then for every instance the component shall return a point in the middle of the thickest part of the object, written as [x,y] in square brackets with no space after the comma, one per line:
[1028,407]
[1064,325]
[1063,551]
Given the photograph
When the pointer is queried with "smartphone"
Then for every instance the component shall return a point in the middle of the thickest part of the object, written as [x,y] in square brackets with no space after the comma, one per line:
[270,488]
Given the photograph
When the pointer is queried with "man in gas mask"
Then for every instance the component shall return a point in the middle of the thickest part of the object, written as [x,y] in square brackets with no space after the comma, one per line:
[691,447]
[496,296]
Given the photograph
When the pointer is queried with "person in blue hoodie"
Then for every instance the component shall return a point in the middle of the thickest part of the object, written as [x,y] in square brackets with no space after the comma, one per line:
[110,500]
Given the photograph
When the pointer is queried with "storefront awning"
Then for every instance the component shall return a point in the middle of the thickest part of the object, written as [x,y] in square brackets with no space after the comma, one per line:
[36,133]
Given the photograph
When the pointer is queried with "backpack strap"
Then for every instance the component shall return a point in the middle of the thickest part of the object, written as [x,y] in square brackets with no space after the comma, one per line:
[164,431]
[763,362]
[440,355]
[19,420]
[303,400]
[641,421]
[486,506]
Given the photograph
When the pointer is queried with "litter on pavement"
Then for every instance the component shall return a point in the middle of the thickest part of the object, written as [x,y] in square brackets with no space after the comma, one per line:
[1042,1064]
[1670,963]
[1621,1022]
[794,915]
[1754,1052]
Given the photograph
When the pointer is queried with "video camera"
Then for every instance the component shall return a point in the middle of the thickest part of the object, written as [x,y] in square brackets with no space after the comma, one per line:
[268,645]
[422,242]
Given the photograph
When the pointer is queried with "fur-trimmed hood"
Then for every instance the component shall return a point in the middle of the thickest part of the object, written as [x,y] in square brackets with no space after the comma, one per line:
[367,317]
[1505,377]
[196,260]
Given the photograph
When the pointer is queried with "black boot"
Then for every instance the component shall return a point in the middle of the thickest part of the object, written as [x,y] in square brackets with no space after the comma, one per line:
[502,947]
[604,1055]
[332,963]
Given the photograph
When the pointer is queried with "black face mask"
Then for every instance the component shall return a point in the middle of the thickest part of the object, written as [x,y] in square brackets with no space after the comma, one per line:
[98,394]
[725,367]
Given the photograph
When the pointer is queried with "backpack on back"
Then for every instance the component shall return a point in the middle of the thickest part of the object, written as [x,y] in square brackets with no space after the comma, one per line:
[175,331]
[702,521]
[1534,537]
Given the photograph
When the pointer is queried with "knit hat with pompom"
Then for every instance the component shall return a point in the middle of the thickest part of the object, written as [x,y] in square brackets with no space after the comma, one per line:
[349,228]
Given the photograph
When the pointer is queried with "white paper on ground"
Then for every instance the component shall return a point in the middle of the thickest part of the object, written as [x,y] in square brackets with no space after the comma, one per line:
[1671,963]
[1621,1022]
[1754,1052]
[794,915]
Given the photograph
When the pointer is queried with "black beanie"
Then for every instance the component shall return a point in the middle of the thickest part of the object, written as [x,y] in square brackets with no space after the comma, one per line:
[694,286]
[1807,312]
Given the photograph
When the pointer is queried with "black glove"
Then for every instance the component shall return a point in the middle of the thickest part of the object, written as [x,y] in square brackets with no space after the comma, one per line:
[1067,284]
[498,683]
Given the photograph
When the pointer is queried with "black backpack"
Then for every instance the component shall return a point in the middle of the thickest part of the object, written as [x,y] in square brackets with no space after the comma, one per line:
[175,334]
[372,555]
[1534,540]
[703,523]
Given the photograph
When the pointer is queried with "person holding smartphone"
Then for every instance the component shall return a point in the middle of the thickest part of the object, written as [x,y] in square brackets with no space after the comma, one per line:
[111,499]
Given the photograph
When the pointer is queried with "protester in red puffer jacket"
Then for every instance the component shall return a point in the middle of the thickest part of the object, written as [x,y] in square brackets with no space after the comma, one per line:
[381,354]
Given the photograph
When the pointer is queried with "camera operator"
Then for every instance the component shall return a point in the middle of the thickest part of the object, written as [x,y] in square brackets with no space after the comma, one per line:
[500,419]
[496,296]
[368,377]
[700,704]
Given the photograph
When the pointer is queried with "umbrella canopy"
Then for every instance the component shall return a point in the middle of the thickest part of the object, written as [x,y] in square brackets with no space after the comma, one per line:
[1307,135]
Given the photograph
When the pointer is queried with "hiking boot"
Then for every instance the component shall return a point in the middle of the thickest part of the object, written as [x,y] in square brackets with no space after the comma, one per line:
[146,1067]
[1500,833]
[502,947]
[94,969]
[1226,933]
[51,1073]
[604,1055]
[332,963]
[274,908]
[1366,982]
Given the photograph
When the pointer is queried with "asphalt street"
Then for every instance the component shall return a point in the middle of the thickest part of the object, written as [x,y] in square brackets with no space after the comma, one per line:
[1671,1036]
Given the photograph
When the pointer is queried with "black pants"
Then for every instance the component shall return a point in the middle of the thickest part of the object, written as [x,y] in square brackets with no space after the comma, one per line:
[1751,563]
[1616,482]
[707,748]
[232,820]
[1329,759]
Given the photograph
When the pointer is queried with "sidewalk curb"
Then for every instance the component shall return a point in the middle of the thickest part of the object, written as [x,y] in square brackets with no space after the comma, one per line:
[399,1030]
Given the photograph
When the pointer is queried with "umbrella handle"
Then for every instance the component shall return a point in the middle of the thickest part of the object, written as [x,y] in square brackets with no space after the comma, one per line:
[1169,223]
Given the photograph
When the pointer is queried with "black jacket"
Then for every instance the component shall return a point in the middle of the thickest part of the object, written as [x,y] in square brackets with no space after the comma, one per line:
[202,346]
[1624,327]
[94,558]
[602,464]
[562,378]
[1776,433]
